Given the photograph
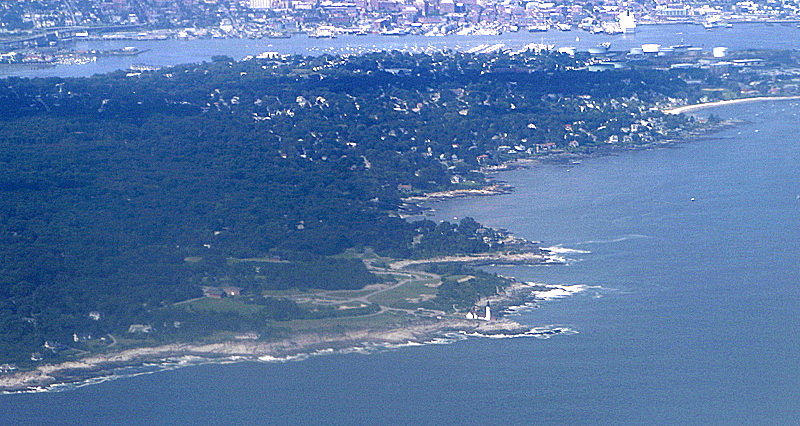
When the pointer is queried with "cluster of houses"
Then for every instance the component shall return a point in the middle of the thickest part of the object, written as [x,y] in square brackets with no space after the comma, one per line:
[7,368]
[80,337]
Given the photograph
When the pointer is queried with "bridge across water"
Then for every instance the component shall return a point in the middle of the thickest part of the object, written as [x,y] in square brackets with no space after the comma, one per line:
[56,34]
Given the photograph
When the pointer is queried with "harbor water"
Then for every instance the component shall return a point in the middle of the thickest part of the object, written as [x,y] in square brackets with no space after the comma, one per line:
[173,52]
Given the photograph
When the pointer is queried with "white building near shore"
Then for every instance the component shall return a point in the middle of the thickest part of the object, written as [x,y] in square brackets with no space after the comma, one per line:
[473,314]
[627,22]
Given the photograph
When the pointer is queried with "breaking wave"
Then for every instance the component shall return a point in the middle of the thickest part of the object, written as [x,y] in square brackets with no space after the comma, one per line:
[564,250]
[559,291]
[544,332]
[144,369]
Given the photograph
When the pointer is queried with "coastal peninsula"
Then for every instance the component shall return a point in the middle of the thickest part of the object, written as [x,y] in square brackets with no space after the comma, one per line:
[258,206]
[398,318]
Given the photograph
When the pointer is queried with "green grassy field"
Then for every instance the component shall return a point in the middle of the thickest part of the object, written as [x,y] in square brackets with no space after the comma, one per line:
[225,305]
[343,323]
[406,296]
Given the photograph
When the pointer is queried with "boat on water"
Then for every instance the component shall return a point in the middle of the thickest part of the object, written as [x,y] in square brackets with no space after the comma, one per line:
[539,28]
[322,33]
[395,32]
[600,49]
[711,24]
[487,32]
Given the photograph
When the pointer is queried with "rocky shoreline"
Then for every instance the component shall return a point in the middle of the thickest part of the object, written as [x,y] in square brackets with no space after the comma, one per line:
[422,330]
[495,188]
[412,204]
[478,259]
[415,329]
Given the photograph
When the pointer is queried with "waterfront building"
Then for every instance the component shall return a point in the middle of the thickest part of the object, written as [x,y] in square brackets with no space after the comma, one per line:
[627,22]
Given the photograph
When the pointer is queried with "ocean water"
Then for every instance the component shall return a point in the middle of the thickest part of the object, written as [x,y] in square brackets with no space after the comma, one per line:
[689,316]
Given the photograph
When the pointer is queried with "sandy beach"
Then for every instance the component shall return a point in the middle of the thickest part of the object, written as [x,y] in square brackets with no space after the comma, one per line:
[694,107]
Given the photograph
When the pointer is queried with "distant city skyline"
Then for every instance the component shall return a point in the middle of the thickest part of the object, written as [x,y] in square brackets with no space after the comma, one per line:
[255,18]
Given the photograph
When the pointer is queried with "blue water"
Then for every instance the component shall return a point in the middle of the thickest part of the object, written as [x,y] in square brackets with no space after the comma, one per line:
[691,317]
[173,52]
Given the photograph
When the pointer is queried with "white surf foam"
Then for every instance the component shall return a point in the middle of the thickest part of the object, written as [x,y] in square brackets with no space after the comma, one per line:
[559,291]
[131,371]
[544,332]
[564,250]
[270,358]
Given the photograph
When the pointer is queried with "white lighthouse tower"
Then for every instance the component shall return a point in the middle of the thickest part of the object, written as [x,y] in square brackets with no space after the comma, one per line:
[488,312]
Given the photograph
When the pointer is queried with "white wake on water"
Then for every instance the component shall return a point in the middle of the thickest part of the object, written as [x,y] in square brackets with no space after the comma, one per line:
[614,240]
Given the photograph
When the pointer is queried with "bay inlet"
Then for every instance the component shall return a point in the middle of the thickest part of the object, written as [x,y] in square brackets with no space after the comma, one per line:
[173,52]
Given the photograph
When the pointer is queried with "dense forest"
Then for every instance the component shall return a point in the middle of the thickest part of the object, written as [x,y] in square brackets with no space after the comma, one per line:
[126,193]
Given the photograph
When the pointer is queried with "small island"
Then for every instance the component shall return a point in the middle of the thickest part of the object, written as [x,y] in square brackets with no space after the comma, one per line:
[260,209]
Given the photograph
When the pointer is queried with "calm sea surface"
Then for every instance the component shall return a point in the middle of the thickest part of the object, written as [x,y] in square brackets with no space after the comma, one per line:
[172,52]
[691,314]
